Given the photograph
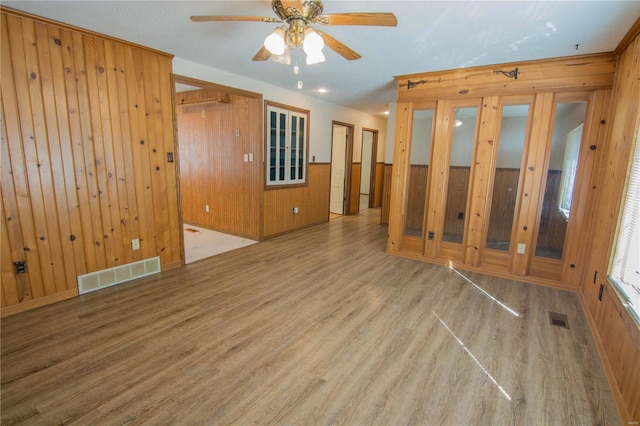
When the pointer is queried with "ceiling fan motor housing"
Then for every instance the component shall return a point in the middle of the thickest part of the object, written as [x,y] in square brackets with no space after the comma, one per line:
[310,9]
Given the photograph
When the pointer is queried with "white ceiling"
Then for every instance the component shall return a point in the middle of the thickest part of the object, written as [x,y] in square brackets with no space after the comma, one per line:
[430,36]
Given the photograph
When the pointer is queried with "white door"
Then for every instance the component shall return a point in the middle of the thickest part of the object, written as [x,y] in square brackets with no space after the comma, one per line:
[338,149]
[365,174]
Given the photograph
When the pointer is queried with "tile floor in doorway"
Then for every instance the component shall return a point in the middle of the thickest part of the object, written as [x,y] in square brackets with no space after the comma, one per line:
[200,243]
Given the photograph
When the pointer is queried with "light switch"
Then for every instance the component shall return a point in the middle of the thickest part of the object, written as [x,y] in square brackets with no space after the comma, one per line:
[246,158]
[251,156]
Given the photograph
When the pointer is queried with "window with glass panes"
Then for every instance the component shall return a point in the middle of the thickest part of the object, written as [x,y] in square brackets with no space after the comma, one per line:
[287,141]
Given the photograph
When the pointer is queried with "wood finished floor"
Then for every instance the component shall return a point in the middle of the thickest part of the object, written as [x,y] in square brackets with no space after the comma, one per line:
[315,327]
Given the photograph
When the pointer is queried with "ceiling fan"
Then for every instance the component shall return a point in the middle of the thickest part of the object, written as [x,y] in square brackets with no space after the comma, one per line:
[298,15]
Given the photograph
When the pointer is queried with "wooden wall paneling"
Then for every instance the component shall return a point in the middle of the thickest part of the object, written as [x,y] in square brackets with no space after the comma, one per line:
[140,151]
[356,174]
[577,232]
[53,168]
[65,173]
[416,201]
[29,190]
[585,72]
[213,171]
[312,201]
[505,184]
[457,191]
[102,157]
[14,185]
[385,204]
[72,105]
[533,183]
[612,330]
[620,339]
[399,176]
[158,165]
[76,118]
[480,191]
[9,284]
[123,153]
[378,185]
[154,144]
[175,233]
[47,219]
[439,175]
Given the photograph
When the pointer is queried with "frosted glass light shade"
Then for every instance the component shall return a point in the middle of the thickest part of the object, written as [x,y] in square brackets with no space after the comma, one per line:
[315,58]
[312,42]
[275,42]
[284,58]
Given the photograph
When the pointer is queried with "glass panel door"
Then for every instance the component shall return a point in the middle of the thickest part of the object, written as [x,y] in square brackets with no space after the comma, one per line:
[513,134]
[421,135]
[460,158]
[563,166]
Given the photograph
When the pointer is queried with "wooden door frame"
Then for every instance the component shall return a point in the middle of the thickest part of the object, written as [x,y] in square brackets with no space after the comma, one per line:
[348,163]
[374,161]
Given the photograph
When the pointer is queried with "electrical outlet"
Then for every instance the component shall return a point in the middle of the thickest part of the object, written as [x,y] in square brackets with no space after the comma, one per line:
[295,210]
[135,244]
[521,248]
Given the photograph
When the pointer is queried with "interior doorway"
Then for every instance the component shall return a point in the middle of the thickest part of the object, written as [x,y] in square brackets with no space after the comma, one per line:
[368,168]
[202,110]
[341,152]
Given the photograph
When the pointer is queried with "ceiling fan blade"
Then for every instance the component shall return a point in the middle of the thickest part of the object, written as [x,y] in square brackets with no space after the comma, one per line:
[262,55]
[210,18]
[339,47]
[382,19]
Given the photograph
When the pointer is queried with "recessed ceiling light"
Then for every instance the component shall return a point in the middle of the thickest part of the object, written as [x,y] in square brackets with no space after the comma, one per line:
[322,90]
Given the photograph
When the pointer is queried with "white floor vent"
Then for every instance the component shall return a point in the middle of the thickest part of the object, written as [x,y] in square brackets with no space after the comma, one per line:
[117,275]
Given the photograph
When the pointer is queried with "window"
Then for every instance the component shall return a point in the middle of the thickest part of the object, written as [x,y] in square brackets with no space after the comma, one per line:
[569,170]
[287,145]
[625,264]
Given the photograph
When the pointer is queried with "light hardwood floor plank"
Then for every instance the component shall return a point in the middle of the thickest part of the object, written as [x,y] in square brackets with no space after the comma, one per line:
[319,326]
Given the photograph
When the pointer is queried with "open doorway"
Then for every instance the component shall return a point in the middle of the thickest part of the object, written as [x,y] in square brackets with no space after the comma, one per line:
[215,184]
[341,153]
[368,168]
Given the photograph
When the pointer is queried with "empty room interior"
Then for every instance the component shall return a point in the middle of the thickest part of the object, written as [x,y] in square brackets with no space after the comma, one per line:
[308,212]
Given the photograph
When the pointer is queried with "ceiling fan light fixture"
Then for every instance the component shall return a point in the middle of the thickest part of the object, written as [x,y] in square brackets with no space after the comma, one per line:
[312,42]
[315,57]
[284,58]
[275,42]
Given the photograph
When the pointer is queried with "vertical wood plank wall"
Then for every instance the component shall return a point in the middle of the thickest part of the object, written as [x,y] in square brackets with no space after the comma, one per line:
[213,138]
[378,185]
[354,205]
[617,336]
[385,203]
[311,200]
[86,125]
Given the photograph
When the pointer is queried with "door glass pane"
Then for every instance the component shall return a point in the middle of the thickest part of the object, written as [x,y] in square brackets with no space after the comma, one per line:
[418,171]
[282,146]
[272,144]
[463,137]
[294,140]
[563,165]
[301,146]
[513,129]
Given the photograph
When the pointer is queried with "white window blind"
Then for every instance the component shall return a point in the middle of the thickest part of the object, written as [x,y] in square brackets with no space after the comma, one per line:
[625,265]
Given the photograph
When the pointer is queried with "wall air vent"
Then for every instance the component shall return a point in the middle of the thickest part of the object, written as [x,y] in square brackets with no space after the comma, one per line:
[117,275]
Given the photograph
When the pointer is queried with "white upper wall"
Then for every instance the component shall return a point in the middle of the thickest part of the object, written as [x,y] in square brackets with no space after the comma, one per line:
[322,113]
